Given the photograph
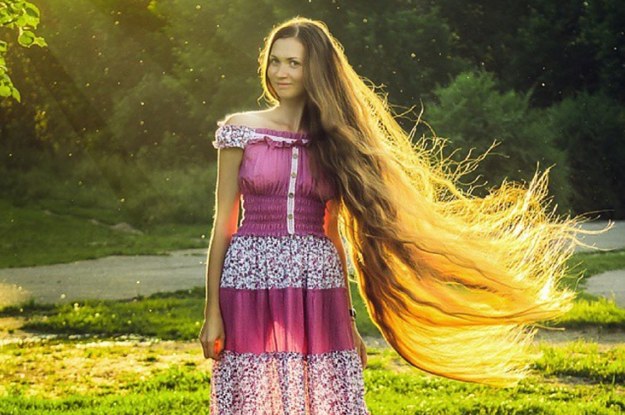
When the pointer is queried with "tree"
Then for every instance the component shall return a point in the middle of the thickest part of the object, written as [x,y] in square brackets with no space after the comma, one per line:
[23,16]
[590,128]
[472,113]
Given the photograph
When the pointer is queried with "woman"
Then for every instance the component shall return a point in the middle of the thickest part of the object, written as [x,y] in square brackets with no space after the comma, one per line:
[452,281]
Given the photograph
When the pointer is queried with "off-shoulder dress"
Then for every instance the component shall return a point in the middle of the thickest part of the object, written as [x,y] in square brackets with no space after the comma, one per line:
[289,347]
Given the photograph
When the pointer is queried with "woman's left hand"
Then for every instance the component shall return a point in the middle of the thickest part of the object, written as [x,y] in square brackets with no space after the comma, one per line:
[361,348]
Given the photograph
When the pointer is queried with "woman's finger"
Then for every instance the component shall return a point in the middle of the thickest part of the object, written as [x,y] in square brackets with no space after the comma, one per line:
[208,350]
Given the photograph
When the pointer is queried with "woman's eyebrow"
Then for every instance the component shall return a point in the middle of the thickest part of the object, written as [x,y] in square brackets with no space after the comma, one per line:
[291,58]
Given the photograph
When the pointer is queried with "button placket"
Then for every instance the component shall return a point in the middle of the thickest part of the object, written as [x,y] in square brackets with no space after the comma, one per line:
[290,199]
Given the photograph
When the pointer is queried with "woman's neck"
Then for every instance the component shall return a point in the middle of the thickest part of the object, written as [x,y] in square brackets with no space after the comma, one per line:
[289,113]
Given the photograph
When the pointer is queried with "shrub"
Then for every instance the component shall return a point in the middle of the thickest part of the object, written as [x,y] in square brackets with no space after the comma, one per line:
[473,113]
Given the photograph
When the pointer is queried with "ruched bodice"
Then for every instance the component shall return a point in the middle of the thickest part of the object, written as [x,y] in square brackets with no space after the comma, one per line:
[279,194]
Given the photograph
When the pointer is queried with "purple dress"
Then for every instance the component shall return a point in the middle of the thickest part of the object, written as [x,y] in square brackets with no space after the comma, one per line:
[289,347]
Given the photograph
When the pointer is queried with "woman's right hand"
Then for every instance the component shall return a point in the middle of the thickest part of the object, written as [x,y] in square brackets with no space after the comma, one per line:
[212,336]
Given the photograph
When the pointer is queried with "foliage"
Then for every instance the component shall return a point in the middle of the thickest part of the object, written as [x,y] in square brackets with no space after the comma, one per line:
[473,113]
[23,16]
[590,128]
[554,48]
[150,78]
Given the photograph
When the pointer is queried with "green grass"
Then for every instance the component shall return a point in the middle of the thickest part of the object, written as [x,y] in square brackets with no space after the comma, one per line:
[597,262]
[30,237]
[586,264]
[575,378]
[170,316]
[584,361]
[393,392]
[593,311]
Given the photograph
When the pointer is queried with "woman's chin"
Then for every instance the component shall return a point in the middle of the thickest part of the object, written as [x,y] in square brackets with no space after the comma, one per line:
[290,96]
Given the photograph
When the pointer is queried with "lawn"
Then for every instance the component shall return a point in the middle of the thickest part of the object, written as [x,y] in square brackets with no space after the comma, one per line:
[126,376]
[141,356]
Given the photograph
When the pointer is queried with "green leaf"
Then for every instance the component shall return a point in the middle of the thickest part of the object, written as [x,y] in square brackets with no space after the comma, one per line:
[40,41]
[26,38]
[32,10]
[16,94]
[5,91]
[6,19]
[3,46]
[25,20]
[4,16]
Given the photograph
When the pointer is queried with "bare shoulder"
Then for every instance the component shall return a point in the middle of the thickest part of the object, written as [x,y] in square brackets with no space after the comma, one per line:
[252,119]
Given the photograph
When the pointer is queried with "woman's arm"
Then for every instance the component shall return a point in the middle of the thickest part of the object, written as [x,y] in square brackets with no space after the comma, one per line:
[332,231]
[225,220]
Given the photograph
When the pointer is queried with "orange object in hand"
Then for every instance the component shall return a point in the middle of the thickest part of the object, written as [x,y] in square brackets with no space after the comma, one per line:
[217,346]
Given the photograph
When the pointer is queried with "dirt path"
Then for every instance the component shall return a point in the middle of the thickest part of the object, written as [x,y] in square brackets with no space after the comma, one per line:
[112,277]
[609,284]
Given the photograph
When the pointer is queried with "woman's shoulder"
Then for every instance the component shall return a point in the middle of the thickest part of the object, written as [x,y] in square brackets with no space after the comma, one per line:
[238,129]
[249,119]
[235,130]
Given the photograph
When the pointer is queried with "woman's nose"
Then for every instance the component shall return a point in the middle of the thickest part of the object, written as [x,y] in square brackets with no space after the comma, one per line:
[281,71]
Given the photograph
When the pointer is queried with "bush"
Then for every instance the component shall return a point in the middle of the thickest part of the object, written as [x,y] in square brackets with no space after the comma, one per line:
[473,113]
[140,192]
[591,129]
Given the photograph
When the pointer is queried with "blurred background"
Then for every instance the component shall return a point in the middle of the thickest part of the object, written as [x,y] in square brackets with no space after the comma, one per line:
[117,112]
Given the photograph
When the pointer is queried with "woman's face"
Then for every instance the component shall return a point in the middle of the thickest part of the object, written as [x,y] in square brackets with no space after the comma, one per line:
[286,70]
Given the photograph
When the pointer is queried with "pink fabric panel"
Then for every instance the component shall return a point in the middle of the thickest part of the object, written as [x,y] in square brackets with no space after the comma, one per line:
[308,321]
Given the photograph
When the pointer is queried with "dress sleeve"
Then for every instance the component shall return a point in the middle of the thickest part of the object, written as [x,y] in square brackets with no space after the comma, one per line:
[229,135]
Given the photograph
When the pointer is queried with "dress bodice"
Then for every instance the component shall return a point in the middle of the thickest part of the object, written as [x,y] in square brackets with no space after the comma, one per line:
[279,194]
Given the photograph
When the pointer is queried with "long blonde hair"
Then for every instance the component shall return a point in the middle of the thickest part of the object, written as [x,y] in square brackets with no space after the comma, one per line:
[453,281]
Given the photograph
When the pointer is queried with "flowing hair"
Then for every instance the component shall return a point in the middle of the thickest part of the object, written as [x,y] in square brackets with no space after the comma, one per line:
[453,281]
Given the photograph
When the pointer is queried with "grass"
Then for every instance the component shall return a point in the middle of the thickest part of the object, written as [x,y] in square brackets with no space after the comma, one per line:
[91,377]
[72,375]
[168,316]
[584,361]
[601,261]
[586,264]
[597,312]
[29,237]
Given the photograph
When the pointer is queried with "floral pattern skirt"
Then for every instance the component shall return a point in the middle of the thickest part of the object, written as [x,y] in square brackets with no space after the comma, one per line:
[289,347]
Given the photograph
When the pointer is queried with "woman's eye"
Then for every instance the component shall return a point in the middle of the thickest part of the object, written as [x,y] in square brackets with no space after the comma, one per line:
[274,61]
